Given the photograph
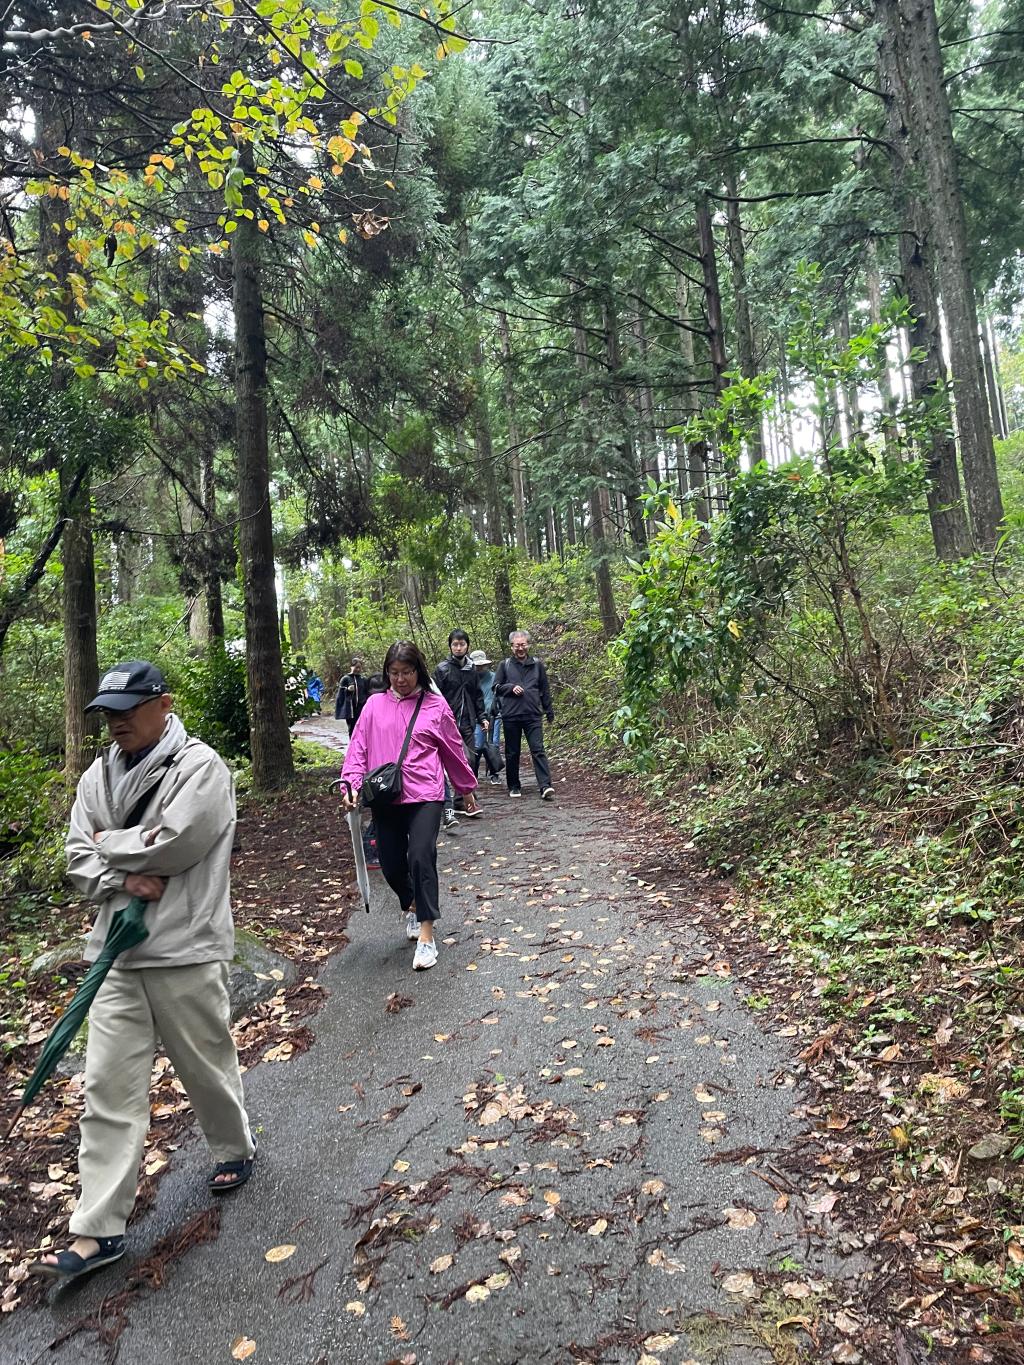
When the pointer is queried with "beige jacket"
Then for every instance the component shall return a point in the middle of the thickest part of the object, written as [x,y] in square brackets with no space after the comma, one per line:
[193,804]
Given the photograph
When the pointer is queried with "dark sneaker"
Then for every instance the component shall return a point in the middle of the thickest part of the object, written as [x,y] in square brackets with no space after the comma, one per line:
[548,794]
[450,822]
[514,791]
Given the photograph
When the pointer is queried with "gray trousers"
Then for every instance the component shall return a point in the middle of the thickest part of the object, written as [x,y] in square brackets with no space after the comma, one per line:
[188,1009]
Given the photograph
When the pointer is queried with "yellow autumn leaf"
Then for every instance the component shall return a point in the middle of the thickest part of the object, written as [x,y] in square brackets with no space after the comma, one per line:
[734,630]
[597,1227]
[281,1253]
[552,1197]
[242,1348]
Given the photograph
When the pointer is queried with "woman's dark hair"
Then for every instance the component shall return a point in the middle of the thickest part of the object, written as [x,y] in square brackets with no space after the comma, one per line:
[457,635]
[405,652]
[376,682]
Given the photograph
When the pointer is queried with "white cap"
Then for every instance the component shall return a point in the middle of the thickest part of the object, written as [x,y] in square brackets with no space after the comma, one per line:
[478,657]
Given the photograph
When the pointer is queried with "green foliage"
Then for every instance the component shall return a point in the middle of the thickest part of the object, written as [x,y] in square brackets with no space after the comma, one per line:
[211,700]
[26,782]
[792,548]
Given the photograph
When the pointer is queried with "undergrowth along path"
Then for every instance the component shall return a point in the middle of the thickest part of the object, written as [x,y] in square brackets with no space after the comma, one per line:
[570,1141]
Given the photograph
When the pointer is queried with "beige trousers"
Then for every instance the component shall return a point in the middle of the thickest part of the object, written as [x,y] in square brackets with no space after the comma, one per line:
[188,1009]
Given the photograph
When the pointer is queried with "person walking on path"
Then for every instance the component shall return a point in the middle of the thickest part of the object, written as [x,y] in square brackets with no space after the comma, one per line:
[153,817]
[482,735]
[521,686]
[352,694]
[457,681]
[407,829]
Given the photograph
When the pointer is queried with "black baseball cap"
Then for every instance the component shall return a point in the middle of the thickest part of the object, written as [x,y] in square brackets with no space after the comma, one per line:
[126,685]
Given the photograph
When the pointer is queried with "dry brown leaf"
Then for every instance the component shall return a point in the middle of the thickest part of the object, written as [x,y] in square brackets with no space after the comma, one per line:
[740,1219]
[552,1197]
[398,1328]
[741,1283]
[825,1204]
[401,1167]
[598,1227]
[442,1263]
[476,1293]
[356,1308]
[652,1186]
[277,1254]
[242,1348]
[796,1289]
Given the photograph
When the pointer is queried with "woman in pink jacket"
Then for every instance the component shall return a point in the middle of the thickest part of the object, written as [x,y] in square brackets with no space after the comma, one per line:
[407,829]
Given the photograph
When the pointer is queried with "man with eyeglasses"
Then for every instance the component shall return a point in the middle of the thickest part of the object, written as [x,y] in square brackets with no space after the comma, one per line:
[154,817]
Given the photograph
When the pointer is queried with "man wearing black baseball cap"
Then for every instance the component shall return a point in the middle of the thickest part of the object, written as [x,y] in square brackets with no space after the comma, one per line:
[154,817]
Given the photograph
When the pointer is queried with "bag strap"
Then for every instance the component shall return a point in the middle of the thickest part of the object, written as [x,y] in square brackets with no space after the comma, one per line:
[408,733]
[134,816]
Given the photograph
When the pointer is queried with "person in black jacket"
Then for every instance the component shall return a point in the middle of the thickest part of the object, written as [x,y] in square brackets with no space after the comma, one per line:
[521,686]
[351,696]
[457,681]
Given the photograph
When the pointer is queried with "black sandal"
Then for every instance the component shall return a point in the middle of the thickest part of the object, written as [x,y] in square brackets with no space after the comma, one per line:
[241,1170]
[70,1265]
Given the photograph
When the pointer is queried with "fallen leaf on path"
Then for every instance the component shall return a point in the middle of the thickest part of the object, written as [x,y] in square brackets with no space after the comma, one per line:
[652,1186]
[796,1289]
[356,1308]
[277,1254]
[398,1328]
[825,1204]
[598,1227]
[552,1197]
[476,1293]
[741,1283]
[498,1280]
[401,1167]
[703,1096]
[442,1264]
[740,1219]
[242,1348]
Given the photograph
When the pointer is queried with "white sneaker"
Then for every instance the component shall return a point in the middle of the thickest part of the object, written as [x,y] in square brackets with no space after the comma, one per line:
[412,927]
[548,794]
[426,956]
[515,792]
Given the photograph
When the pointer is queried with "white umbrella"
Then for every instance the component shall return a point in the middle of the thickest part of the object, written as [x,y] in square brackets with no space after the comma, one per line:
[358,852]
[362,876]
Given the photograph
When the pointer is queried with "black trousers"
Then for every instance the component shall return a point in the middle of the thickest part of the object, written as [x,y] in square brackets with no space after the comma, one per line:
[407,848]
[533,728]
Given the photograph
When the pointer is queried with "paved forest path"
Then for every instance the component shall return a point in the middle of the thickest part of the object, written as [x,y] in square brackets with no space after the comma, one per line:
[567,1142]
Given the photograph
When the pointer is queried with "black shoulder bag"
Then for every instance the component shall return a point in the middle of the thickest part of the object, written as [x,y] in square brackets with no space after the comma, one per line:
[383,786]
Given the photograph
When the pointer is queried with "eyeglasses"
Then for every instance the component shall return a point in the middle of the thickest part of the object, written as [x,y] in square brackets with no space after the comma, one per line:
[108,714]
[400,674]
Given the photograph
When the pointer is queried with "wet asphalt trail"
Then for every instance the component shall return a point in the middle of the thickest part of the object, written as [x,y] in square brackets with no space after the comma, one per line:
[514,1166]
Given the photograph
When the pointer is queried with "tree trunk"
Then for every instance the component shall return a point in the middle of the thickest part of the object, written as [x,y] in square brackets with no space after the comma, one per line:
[483,447]
[271,742]
[950,531]
[712,294]
[515,463]
[696,451]
[995,406]
[645,402]
[211,546]
[911,26]
[81,667]
[745,352]
[630,472]
[598,531]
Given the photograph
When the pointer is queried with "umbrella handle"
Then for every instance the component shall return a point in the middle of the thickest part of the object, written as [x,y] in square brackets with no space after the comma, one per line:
[342,782]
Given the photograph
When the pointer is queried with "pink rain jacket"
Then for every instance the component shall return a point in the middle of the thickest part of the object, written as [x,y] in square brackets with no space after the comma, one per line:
[435,745]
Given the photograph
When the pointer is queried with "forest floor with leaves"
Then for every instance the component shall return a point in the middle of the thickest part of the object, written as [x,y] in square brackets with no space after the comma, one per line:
[611,1125]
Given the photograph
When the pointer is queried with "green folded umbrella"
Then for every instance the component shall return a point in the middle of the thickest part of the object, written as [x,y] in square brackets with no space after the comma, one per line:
[127,928]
